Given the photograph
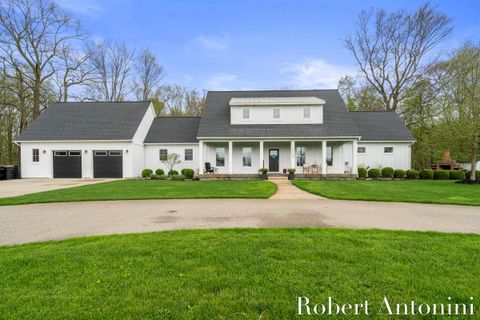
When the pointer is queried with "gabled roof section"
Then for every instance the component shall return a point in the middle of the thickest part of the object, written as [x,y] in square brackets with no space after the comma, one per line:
[381,126]
[276,101]
[215,122]
[173,130]
[86,121]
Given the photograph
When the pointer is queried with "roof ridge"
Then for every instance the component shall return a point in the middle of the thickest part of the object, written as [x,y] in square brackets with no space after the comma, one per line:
[102,102]
[273,90]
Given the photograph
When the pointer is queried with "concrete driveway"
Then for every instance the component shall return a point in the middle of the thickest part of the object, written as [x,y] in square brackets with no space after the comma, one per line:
[18,187]
[40,222]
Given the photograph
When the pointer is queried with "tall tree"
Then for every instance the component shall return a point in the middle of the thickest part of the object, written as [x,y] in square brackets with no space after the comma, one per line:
[458,81]
[149,73]
[359,96]
[113,63]
[391,48]
[32,33]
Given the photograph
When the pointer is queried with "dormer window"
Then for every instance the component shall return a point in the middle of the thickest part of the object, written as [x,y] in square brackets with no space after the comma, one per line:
[246,114]
[306,113]
[276,113]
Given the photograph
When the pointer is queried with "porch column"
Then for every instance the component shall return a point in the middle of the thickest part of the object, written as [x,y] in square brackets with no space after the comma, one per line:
[355,157]
[292,154]
[324,157]
[200,157]
[230,157]
[261,155]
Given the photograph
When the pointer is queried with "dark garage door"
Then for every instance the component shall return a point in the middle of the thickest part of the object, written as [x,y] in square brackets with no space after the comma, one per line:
[107,164]
[67,164]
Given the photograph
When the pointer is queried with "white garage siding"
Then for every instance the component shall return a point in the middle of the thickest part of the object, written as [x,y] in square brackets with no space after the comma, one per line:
[152,156]
[375,157]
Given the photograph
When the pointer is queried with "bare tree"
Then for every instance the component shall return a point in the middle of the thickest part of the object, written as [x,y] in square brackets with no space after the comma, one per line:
[113,64]
[32,32]
[180,101]
[390,49]
[73,70]
[149,73]
[172,160]
[359,95]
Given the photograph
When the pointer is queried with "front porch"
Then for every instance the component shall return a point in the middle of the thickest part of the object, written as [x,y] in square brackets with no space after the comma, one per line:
[237,159]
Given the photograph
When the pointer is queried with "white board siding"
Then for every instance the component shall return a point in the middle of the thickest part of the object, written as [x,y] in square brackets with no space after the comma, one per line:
[374,157]
[288,115]
[152,156]
[44,168]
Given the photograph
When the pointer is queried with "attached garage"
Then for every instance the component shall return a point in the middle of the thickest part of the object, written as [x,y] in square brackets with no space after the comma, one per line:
[108,164]
[67,164]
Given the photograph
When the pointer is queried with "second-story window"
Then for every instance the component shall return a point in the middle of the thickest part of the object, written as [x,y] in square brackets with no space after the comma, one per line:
[276,113]
[306,113]
[246,114]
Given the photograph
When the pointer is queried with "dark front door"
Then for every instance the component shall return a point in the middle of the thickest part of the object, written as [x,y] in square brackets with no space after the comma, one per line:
[108,164]
[273,156]
[67,164]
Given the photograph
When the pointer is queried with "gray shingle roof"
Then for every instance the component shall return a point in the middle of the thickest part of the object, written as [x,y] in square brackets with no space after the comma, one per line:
[173,130]
[215,121]
[86,121]
[381,126]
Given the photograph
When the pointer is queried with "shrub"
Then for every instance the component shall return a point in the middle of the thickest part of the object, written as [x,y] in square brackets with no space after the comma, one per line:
[362,172]
[374,173]
[177,177]
[399,173]
[412,174]
[159,172]
[456,175]
[263,170]
[440,175]
[291,171]
[173,173]
[387,172]
[425,174]
[188,173]
[158,177]
[147,173]
[477,175]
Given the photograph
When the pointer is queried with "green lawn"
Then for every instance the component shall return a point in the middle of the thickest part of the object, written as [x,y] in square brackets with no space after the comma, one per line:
[233,274]
[423,191]
[150,189]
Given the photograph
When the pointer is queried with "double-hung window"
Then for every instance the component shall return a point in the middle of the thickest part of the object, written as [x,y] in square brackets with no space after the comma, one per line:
[163,154]
[188,154]
[35,155]
[246,114]
[306,113]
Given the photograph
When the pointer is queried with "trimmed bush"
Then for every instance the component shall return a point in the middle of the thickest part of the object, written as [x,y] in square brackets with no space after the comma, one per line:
[456,175]
[158,177]
[159,172]
[425,174]
[412,174]
[147,173]
[362,172]
[399,173]
[477,175]
[172,173]
[177,177]
[387,172]
[440,175]
[374,173]
[188,173]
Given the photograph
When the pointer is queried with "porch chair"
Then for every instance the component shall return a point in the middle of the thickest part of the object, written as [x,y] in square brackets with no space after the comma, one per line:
[209,168]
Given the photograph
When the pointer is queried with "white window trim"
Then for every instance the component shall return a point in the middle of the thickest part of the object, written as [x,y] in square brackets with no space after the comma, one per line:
[249,114]
[279,115]
[224,157]
[185,154]
[362,152]
[251,157]
[389,153]
[309,113]
[160,154]
[36,162]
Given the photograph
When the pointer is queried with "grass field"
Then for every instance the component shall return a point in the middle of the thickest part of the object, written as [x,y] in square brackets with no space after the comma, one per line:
[422,191]
[233,274]
[150,189]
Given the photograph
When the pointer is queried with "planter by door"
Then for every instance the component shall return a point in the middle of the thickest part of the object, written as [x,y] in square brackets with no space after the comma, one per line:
[273,158]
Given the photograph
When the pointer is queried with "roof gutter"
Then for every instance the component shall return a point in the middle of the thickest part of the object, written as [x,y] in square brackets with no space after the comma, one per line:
[69,141]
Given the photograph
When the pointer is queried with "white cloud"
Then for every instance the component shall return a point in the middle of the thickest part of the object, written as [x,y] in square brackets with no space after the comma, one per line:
[214,43]
[91,8]
[220,81]
[314,73]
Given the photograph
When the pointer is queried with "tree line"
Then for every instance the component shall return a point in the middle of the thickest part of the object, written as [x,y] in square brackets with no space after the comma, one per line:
[46,56]
[438,96]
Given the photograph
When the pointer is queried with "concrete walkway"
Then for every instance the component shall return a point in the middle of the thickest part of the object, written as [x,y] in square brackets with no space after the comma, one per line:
[18,187]
[287,191]
[41,222]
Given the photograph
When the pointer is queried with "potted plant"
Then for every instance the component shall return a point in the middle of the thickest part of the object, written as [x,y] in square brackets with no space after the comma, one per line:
[291,174]
[263,173]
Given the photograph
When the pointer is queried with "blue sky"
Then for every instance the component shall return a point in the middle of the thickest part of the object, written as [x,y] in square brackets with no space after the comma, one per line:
[235,45]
